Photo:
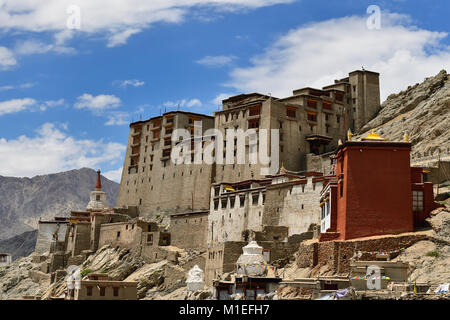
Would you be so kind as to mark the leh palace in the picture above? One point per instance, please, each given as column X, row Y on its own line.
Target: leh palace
column 339, row 201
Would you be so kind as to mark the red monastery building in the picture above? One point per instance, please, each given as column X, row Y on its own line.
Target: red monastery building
column 375, row 191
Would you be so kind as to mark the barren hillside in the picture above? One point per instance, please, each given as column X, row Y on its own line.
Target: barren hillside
column 422, row 110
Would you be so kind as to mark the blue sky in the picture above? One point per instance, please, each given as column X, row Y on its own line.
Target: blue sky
column 67, row 96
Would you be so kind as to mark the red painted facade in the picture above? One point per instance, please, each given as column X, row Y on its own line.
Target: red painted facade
column 372, row 193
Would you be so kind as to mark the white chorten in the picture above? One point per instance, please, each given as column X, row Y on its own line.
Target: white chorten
column 195, row 280
column 251, row 262
column 98, row 197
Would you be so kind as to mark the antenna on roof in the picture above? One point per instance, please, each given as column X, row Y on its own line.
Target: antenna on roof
column 178, row 107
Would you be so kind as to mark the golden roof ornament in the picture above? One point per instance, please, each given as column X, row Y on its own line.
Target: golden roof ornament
column 339, row 142
column 349, row 135
column 373, row 137
column 406, row 137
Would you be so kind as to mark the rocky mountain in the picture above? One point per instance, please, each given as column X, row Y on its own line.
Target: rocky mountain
column 21, row 245
column 422, row 110
column 23, row 201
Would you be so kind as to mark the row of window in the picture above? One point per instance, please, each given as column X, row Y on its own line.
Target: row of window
column 102, row 291
column 223, row 202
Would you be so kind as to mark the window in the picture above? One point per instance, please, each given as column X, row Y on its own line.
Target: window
column 241, row 201
column 89, row 291
column 232, row 201
column 118, row 234
column 253, row 124
column 291, row 112
column 216, row 204
column 255, row 198
column 102, row 291
column 116, row 292
column 341, row 189
column 224, row 203
column 97, row 197
column 327, row 105
column 311, row 103
column 254, row 111
column 312, row 116
column 417, row 201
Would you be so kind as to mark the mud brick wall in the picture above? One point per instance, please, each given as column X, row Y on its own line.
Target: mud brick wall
column 336, row 254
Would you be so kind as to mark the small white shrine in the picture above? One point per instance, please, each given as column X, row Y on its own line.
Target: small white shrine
column 195, row 280
column 251, row 262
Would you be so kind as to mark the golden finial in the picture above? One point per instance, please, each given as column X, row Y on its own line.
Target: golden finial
column 373, row 137
column 339, row 142
column 406, row 137
column 349, row 135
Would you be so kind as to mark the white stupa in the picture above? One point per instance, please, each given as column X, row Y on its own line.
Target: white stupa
column 251, row 262
column 98, row 197
column 195, row 280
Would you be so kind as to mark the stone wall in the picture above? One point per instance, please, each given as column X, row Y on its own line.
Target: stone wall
column 45, row 235
column 336, row 254
column 293, row 205
column 78, row 238
column 121, row 234
column 189, row 230
column 222, row 258
column 233, row 213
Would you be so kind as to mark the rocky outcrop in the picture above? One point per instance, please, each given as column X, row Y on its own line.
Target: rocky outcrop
column 15, row 281
column 422, row 110
column 23, row 200
column 19, row 246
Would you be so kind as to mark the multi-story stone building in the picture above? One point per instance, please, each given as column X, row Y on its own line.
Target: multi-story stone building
column 150, row 180
column 311, row 121
column 238, row 210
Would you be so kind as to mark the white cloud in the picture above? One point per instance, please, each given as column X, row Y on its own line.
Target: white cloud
column 117, row 19
column 114, row 175
column 16, row 105
column 7, row 59
column 97, row 103
column 52, row 150
column 318, row 53
column 121, row 37
column 131, row 82
column 189, row 103
column 216, row 61
column 29, row 47
column 51, row 104
column 118, row 118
